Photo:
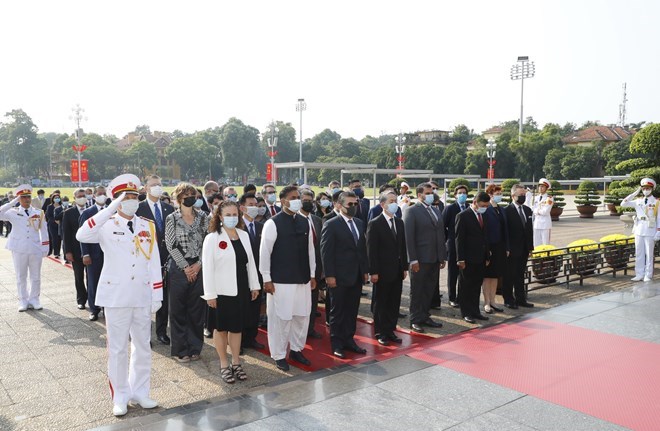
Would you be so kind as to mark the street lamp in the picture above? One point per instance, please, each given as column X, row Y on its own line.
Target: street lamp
column 519, row 71
column 77, row 117
column 400, row 148
column 272, row 150
column 300, row 107
column 491, row 146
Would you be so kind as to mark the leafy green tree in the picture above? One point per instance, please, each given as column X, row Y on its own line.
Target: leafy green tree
column 454, row 157
column 142, row 155
column 615, row 153
column 462, row 133
column 25, row 148
column 191, row 154
column 553, row 162
column 581, row 162
column 647, row 142
column 143, row 129
column 238, row 144
column 105, row 161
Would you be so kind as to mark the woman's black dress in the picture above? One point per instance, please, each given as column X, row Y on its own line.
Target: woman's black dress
column 232, row 311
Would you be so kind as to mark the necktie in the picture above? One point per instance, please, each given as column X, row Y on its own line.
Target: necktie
column 159, row 218
column 272, row 210
column 130, row 225
column 251, row 229
column 353, row 231
column 392, row 228
column 481, row 221
column 522, row 215
column 433, row 216
column 646, row 201
column 27, row 212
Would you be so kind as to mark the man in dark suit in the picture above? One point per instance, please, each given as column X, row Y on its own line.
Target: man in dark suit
column 249, row 208
column 449, row 219
column 472, row 256
column 363, row 203
column 72, row 252
column 377, row 209
column 335, row 208
column 153, row 209
column 425, row 240
column 521, row 243
column 270, row 196
column 92, row 255
column 315, row 228
column 345, row 263
column 388, row 266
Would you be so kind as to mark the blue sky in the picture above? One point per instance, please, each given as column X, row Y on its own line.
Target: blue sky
column 364, row 67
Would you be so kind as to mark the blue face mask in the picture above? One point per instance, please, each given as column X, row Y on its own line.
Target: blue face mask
column 198, row 203
column 359, row 192
column 461, row 198
column 428, row 199
column 392, row 208
column 335, row 190
column 230, row 222
column 481, row 210
column 271, row 198
column 57, row 200
column 325, row 203
column 497, row 199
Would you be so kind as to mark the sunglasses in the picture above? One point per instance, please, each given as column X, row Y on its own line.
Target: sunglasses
column 351, row 204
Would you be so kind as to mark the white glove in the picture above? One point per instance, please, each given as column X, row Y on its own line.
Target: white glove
column 657, row 236
column 155, row 306
column 115, row 203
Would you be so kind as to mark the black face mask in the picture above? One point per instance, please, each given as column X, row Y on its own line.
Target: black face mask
column 351, row 211
column 520, row 200
column 307, row 206
column 189, row 201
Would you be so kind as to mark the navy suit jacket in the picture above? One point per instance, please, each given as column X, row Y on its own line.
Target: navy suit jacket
column 166, row 209
column 87, row 249
column 342, row 257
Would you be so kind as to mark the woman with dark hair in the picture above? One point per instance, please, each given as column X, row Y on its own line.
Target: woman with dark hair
column 185, row 230
column 53, row 226
column 498, row 240
column 323, row 204
column 230, row 283
column 261, row 215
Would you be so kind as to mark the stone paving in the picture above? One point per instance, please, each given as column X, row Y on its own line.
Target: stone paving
column 53, row 362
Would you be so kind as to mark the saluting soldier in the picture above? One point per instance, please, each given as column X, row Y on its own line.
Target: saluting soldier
column 542, row 221
column 130, row 289
column 28, row 243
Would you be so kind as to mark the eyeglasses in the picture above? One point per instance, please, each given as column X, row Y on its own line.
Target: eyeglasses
column 232, row 196
column 351, row 204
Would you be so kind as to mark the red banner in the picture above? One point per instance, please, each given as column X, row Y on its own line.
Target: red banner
column 83, row 172
column 74, row 171
column 269, row 172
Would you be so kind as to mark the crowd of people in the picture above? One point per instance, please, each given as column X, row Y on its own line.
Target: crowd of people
column 222, row 262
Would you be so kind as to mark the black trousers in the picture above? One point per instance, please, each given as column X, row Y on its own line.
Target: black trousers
column 422, row 285
column 252, row 322
column 93, row 275
column 163, row 314
column 79, row 279
column 315, row 307
column 344, row 306
column 513, row 290
column 471, row 279
column 186, row 313
column 55, row 240
column 386, row 302
column 452, row 276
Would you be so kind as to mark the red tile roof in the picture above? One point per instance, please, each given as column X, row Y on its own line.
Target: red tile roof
column 599, row 133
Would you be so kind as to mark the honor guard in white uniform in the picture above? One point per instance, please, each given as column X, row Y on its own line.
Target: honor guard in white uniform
column 542, row 222
column 129, row 289
column 28, row 243
column 646, row 229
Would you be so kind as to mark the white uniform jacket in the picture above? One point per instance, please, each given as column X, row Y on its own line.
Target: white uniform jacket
column 131, row 274
column 541, row 210
column 219, row 265
column 647, row 219
column 29, row 232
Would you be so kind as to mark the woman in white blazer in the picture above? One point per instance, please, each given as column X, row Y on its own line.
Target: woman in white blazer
column 230, row 283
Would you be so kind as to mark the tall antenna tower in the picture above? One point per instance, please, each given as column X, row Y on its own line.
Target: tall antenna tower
column 622, row 108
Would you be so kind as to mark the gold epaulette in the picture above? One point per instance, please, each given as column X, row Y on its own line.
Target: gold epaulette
column 147, row 219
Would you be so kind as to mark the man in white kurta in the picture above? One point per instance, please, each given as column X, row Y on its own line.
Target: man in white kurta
column 287, row 264
column 646, row 229
column 28, row 243
column 542, row 221
column 129, row 289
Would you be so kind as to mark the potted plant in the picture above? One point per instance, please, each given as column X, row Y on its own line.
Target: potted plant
column 558, row 200
column 584, row 256
column 547, row 261
column 587, row 199
column 617, row 249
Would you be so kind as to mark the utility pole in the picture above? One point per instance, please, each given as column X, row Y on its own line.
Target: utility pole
column 300, row 107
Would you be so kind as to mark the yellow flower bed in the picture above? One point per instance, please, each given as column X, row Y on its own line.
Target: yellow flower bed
column 582, row 245
column 546, row 250
column 619, row 238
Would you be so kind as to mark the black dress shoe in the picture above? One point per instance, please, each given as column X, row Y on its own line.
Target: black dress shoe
column 254, row 344
column 282, row 364
column 480, row 317
column 93, row 317
column 417, row 328
column 468, row 319
column 435, row 307
column 432, row 323
column 393, row 338
column 498, row 309
column 357, row 349
column 402, row 315
column 383, row 341
column 164, row 339
column 315, row 334
column 454, row 304
column 525, row 304
column 338, row 353
column 81, row 306
column 511, row 306
column 299, row 357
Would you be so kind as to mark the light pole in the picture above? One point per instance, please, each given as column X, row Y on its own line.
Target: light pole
column 77, row 118
column 521, row 70
column 400, row 148
column 491, row 146
column 272, row 150
column 300, row 107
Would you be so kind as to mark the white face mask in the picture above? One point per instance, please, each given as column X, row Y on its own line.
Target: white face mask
column 129, row 207
column 262, row 211
column 646, row 192
column 156, row 191
column 295, row 205
column 252, row 212
column 81, row 201
column 101, row 199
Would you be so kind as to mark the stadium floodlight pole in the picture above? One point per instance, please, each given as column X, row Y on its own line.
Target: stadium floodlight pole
column 522, row 70
column 400, row 148
column 300, row 107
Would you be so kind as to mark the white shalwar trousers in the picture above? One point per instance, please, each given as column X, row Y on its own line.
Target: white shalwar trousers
column 541, row 236
column 24, row 263
column 288, row 318
column 128, row 381
column 644, row 247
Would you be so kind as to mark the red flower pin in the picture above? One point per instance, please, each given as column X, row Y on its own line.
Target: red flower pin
column 222, row 245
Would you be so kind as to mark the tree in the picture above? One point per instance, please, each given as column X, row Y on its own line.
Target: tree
column 553, row 162
column 191, row 154
column 462, row 133
column 24, row 146
column 238, row 144
column 142, row 155
column 287, row 146
column 581, row 162
column 143, row 130
column 105, row 161
column 454, row 157
column 647, row 142
column 615, row 153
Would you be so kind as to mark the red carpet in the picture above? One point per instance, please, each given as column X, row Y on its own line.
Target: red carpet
column 320, row 353
column 607, row 376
